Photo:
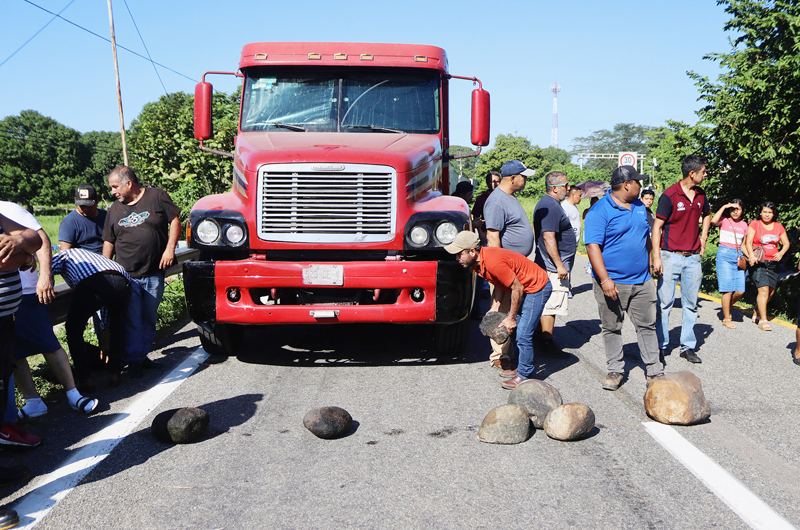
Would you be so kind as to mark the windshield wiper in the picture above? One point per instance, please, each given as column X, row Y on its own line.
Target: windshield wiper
column 290, row 126
column 375, row 128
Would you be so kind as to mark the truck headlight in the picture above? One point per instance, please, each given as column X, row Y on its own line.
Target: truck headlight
column 234, row 234
column 207, row 231
column 446, row 232
column 420, row 235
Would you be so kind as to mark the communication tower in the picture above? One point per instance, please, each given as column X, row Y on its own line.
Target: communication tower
column 554, row 131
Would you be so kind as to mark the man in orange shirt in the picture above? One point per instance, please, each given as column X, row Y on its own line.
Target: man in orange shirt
column 509, row 272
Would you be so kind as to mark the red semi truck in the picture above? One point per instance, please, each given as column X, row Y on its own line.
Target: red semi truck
column 339, row 208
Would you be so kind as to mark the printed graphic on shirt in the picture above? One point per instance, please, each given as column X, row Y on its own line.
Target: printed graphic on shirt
column 134, row 219
column 681, row 206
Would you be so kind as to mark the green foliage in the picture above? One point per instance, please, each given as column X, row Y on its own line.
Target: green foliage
column 752, row 107
column 173, row 304
column 669, row 146
column 464, row 167
column 624, row 137
column 164, row 153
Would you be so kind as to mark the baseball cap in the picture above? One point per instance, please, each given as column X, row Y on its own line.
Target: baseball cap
column 463, row 241
column 85, row 195
column 515, row 167
column 624, row 174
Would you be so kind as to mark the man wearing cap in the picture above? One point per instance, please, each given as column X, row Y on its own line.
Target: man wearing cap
column 678, row 252
column 555, row 251
column 507, row 226
column 617, row 237
column 83, row 226
column 525, row 283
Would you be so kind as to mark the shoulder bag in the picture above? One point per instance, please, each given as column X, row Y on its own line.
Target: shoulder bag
column 740, row 261
column 758, row 252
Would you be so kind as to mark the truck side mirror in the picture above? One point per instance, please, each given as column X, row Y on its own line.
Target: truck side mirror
column 203, row 94
column 480, row 117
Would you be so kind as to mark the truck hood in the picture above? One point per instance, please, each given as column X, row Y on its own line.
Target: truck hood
column 405, row 152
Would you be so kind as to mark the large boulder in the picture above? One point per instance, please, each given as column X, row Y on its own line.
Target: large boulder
column 180, row 426
column 537, row 397
column 677, row 399
column 490, row 326
column 328, row 422
column 571, row 421
column 506, row 424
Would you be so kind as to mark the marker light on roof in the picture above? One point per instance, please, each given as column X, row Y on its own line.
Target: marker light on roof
column 340, row 56
column 420, row 58
column 366, row 57
column 315, row 56
column 260, row 56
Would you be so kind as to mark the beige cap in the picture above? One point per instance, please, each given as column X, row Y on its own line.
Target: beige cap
column 464, row 240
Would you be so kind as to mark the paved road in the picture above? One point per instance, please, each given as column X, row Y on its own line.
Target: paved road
column 414, row 460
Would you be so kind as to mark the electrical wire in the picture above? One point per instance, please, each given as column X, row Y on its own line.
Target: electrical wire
column 55, row 16
column 145, row 46
column 58, row 15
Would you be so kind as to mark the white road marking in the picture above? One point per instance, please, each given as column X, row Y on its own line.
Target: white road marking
column 50, row 489
column 744, row 503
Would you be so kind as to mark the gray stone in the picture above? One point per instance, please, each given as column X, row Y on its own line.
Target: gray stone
column 571, row 421
column 677, row 399
column 328, row 422
column 506, row 424
column 537, row 397
column 180, row 425
column 490, row 326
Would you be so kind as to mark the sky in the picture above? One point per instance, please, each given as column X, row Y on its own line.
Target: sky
column 616, row 61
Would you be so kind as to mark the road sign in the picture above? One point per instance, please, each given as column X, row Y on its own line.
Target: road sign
column 627, row 159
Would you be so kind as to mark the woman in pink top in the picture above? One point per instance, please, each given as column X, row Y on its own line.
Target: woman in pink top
column 766, row 233
column 730, row 278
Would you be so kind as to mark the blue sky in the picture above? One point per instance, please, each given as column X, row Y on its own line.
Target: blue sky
column 616, row 62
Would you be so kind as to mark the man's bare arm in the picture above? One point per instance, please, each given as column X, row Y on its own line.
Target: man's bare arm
column 168, row 258
column 658, row 225
column 16, row 240
column 552, row 250
column 493, row 238
column 108, row 250
column 517, row 293
column 44, row 287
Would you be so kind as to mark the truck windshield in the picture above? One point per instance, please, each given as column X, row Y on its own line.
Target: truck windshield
column 342, row 100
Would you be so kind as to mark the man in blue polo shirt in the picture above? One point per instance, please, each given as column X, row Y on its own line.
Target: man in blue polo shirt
column 617, row 237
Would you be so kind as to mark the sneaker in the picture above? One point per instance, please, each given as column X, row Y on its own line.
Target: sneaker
column 612, row 381
column 12, row 434
column 13, row 475
column 691, row 356
column 651, row 378
column 8, row 518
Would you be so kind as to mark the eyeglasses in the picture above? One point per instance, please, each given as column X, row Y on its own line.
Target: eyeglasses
column 566, row 184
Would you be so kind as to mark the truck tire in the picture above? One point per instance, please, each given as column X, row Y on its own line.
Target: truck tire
column 451, row 339
column 224, row 340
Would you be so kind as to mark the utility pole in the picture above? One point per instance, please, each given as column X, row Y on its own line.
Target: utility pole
column 119, row 90
column 554, row 131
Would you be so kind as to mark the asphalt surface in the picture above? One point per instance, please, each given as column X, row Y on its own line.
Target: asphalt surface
column 414, row 460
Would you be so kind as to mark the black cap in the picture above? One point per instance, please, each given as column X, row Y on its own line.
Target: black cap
column 624, row 174
column 85, row 195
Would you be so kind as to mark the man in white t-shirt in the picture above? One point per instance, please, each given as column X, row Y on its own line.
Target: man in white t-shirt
column 570, row 208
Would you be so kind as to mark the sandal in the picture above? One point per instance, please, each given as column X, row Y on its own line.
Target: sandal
column 728, row 323
column 25, row 416
column 796, row 360
column 764, row 325
column 85, row 405
column 755, row 318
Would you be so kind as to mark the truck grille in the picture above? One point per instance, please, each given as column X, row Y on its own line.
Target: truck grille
column 340, row 204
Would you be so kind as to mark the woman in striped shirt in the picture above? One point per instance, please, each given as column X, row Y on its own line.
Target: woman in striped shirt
column 730, row 278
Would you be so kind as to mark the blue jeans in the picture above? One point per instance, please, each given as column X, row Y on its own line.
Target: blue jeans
column 530, row 313
column 142, row 315
column 688, row 271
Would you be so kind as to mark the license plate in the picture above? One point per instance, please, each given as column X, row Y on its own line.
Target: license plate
column 323, row 275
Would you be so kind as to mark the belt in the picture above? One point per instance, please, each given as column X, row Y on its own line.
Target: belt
column 685, row 252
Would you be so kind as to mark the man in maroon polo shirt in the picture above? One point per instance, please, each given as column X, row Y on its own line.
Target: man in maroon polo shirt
column 677, row 251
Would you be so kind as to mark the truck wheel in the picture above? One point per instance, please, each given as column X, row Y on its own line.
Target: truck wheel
column 451, row 339
column 224, row 340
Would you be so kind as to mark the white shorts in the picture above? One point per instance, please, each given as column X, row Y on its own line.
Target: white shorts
column 558, row 303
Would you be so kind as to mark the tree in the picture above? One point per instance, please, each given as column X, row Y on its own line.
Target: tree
column 669, row 145
column 752, row 108
column 624, row 137
column 41, row 160
column 465, row 167
column 105, row 149
column 163, row 151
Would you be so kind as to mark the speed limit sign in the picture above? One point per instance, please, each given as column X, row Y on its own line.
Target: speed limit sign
column 627, row 159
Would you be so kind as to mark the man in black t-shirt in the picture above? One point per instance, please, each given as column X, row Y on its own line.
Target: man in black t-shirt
column 142, row 230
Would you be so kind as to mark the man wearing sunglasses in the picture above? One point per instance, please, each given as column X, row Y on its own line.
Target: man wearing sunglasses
column 555, row 252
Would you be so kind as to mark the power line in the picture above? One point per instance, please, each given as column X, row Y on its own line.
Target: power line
column 145, row 47
column 57, row 15
column 34, row 35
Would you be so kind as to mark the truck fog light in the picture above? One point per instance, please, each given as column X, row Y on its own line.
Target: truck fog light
column 207, row 231
column 234, row 294
column 420, row 236
column 234, row 234
column 417, row 294
column 446, row 232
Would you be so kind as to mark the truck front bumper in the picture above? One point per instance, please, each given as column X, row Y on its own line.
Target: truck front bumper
column 446, row 289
